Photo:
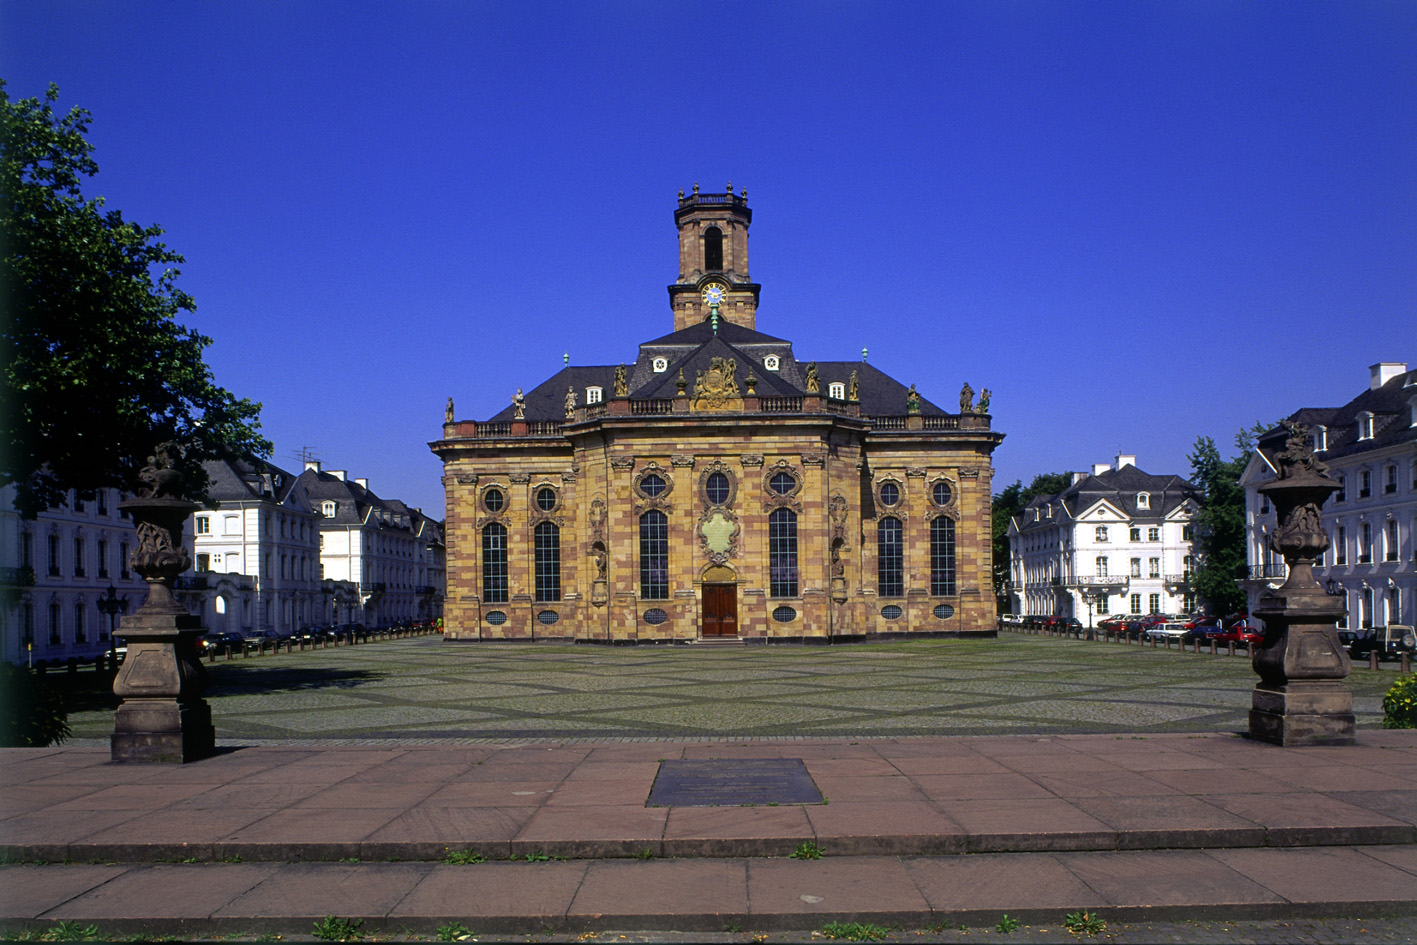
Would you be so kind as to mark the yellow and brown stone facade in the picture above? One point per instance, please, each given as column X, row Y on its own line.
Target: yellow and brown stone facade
column 718, row 487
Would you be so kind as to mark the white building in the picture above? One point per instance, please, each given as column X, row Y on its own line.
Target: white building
column 392, row 553
column 1370, row 447
column 55, row 569
column 256, row 556
column 1117, row 540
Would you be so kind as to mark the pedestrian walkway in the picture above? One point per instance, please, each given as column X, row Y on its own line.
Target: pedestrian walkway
column 911, row 832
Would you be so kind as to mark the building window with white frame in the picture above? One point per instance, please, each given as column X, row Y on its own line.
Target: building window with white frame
column 1136, row 604
column 1154, row 603
column 1135, row 533
column 594, row 395
column 1390, row 479
column 1101, row 567
column 1340, row 547
column 1390, row 553
column 1136, row 567
column 836, row 390
column 1342, row 494
column 203, row 525
column 1153, row 567
column 1143, row 500
column 1365, row 426
column 1153, row 534
column 1100, row 533
column 1365, row 544
column 1365, row 483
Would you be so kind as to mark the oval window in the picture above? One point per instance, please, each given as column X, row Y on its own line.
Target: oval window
column 655, row 616
column 782, row 483
column 890, row 493
column 784, row 615
column 716, row 488
column 941, row 493
column 891, row 612
column 496, row 618
column 494, row 500
column 653, row 485
column 546, row 498
column 944, row 611
column 548, row 617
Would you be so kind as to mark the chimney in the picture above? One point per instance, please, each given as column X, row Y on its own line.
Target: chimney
column 338, row 474
column 1100, row 468
column 1124, row 460
column 1079, row 477
column 362, row 483
column 312, row 465
column 1384, row 371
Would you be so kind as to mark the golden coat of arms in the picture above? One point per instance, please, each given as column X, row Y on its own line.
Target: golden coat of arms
column 716, row 387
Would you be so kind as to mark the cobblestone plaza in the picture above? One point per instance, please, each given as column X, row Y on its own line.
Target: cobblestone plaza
column 427, row 689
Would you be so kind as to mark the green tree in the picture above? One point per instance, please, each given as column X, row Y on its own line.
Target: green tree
column 1220, row 521
column 1006, row 505
column 96, row 369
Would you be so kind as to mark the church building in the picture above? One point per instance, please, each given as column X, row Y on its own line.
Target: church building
column 715, row 487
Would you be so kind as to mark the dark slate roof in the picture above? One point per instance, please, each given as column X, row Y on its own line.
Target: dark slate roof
column 1389, row 404
column 1118, row 487
column 238, row 480
column 692, row 349
column 353, row 500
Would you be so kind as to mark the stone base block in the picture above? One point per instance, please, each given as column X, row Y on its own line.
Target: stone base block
column 1303, row 713
column 162, row 730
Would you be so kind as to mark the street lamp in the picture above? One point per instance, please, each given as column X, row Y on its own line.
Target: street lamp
column 1333, row 587
column 112, row 605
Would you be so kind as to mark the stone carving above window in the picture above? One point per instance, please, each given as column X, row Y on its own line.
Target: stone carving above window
column 682, row 460
column 466, row 479
column 627, row 463
column 751, row 459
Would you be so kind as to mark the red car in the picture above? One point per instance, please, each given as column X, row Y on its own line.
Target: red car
column 1241, row 633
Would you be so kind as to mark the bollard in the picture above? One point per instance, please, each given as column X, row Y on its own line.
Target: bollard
column 1406, row 668
column 1230, row 646
column 1212, row 646
column 1372, row 659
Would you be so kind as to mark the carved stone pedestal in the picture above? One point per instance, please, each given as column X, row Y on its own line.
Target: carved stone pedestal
column 1300, row 699
column 162, row 716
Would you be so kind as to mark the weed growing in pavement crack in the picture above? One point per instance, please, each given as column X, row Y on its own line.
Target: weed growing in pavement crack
column 1007, row 924
column 855, row 931
column 454, row 932
column 1084, row 923
column 807, row 850
column 334, row 929
column 463, row 857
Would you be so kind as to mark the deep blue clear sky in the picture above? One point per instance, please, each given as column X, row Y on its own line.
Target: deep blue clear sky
column 1135, row 222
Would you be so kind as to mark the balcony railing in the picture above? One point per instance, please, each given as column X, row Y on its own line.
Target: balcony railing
column 17, row 577
column 1278, row 569
column 1095, row 580
column 1183, row 578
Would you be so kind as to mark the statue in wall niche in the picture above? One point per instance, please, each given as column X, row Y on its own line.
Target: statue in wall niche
column 912, row 400
column 622, row 382
column 814, row 385
column 966, row 398
column 518, row 405
column 983, row 401
column 853, row 387
column 448, row 413
column 570, row 403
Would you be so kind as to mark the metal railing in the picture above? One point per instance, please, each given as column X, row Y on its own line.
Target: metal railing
column 1259, row 572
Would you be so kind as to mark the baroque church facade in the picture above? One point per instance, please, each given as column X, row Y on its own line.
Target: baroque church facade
column 716, row 487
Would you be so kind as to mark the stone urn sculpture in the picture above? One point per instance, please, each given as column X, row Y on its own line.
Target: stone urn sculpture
column 161, row 716
column 1300, row 698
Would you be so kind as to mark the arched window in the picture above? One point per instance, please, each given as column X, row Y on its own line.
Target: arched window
column 782, row 553
column 713, row 249
column 942, row 556
column 547, row 538
column 494, row 563
column 654, row 555
column 890, row 558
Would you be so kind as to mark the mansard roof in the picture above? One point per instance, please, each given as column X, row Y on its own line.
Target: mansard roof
column 245, row 480
column 1118, row 488
column 1389, row 404
column 692, row 350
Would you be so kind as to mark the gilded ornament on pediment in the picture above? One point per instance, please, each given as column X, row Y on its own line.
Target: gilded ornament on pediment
column 716, row 388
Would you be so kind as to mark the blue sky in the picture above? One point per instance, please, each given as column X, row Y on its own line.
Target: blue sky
column 1136, row 223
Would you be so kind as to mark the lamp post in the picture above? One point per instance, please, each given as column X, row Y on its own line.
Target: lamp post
column 112, row 605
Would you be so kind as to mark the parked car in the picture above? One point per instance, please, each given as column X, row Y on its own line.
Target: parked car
column 1388, row 642
column 220, row 640
column 1204, row 631
column 1241, row 633
column 1161, row 632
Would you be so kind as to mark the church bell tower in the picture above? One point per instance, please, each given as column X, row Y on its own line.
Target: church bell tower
column 713, row 260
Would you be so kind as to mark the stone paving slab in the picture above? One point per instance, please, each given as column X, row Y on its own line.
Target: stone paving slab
column 707, row 894
column 885, row 796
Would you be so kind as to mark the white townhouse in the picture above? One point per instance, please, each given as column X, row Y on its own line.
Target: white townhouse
column 255, row 554
column 1117, row 540
column 392, row 553
column 56, row 569
column 1370, row 447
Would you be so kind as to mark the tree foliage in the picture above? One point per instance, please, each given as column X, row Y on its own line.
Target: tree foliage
column 1220, row 522
column 1009, row 503
column 97, row 370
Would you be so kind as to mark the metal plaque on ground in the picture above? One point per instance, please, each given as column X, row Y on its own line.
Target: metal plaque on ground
column 722, row 782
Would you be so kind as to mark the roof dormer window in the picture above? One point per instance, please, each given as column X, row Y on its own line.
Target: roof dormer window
column 1143, row 500
column 836, row 390
column 1320, row 438
column 659, row 365
column 594, row 395
column 772, row 362
column 328, row 508
column 1365, row 425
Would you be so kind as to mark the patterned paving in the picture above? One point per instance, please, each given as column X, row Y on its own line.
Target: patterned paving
column 427, row 689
